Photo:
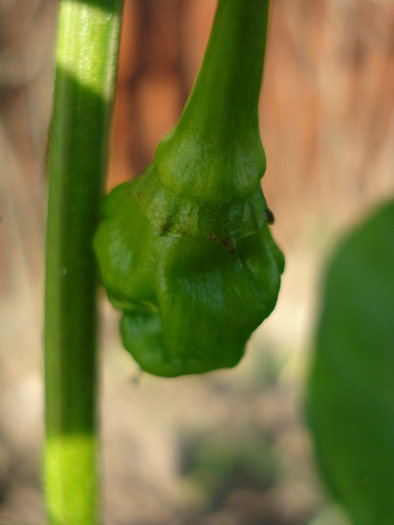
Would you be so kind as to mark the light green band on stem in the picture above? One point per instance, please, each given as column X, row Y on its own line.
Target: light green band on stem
column 82, row 24
column 72, row 457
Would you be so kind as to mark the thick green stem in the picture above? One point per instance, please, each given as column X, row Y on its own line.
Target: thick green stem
column 229, row 82
column 219, row 126
column 88, row 45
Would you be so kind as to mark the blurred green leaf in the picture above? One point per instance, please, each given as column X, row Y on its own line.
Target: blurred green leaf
column 350, row 401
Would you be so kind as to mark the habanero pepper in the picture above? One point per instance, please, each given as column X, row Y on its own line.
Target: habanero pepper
column 185, row 250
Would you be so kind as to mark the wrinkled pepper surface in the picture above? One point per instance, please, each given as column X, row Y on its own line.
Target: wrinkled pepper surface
column 185, row 250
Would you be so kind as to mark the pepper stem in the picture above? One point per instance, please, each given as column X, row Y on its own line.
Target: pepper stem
column 229, row 82
column 217, row 141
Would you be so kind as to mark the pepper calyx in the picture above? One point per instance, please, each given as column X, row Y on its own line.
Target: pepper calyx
column 187, row 216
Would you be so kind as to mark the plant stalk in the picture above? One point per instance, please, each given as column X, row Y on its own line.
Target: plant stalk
column 87, row 52
column 219, row 124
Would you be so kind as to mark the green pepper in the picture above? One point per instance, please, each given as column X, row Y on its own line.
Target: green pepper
column 185, row 250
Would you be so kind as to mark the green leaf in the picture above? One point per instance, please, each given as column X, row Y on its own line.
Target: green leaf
column 350, row 402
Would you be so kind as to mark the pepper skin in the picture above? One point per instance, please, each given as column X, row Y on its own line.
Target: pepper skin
column 185, row 250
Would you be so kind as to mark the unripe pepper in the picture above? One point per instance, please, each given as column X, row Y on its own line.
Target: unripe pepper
column 185, row 250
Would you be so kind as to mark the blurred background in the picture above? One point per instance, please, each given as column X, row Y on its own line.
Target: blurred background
column 231, row 447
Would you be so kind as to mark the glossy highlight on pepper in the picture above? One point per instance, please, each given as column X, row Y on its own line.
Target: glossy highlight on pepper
column 185, row 251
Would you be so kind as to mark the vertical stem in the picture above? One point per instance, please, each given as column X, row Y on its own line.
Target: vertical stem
column 229, row 81
column 87, row 53
column 219, row 125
